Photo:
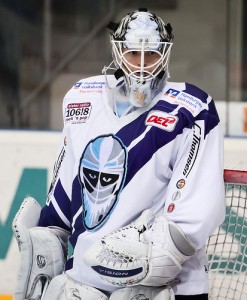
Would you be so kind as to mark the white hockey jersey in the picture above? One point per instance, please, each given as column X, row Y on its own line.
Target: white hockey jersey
column 167, row 157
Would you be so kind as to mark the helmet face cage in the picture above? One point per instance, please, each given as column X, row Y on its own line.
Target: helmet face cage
column 142, row 72
column 143, row 32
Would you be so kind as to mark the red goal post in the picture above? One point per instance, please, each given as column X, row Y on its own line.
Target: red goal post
column 227, row 247
column 235, row 176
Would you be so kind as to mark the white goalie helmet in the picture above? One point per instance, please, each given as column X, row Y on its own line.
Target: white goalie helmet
column 141, row 45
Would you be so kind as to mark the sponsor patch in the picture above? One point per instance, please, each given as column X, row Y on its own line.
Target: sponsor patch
column 89, row 85
column 192, row 104
column 77, row 85
column 194, row 148
column 172, row 93
column 40, row 260
column 76, row 113
column 176, row 195
column 171, row 207
column 161, row 120
column 180, row 184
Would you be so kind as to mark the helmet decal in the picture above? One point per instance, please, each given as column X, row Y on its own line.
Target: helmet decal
column 102, row 171
column 119, row 30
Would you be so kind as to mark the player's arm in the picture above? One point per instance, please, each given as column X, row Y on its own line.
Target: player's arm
column 195, row 198
column 57, row 211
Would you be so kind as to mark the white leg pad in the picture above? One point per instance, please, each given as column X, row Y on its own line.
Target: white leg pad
column 62, row 287
column 42, row 251
column 143, row 293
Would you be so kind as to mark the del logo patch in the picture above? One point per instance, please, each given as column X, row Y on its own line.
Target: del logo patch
column 161, row 120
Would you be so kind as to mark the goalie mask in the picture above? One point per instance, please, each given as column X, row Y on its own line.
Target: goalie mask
column 141, row 45
column 102, row 173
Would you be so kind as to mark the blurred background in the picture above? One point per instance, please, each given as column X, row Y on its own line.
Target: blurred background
column 47, row 45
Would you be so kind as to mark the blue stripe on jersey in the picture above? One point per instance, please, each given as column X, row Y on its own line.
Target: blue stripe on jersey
column 134, row 129
column 69, row 264
column 183, row 114
column 49, row 217
column 79, row 228
column 164, row 106
column 62, row 200
column 139, row 155
column 76, row 194
column 78, row 225
column 196, row 92
column 210, row 117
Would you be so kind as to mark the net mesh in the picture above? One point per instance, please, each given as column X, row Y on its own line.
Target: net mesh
column 227, row 247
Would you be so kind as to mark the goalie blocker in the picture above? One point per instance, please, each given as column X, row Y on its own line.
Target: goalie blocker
column 147, row 252
column 42, row 251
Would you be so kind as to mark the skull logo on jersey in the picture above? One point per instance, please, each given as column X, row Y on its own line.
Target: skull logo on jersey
column 102, row 172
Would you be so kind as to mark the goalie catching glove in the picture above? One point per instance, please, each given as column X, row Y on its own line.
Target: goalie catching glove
column 148, row 252
column 42, row 251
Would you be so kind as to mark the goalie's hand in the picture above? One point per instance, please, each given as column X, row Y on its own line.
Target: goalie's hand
column 121, row 257
column 144, row 252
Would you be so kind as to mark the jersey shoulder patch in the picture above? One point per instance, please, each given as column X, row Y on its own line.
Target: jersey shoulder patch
column 80, row 99
column 162, row 120
column 187, row 96
column 89, row 85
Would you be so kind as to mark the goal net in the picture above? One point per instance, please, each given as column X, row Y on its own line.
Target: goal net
column 227, row 247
